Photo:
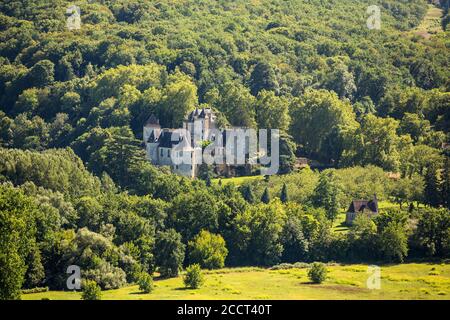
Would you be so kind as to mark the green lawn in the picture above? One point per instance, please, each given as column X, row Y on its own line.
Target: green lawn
column 339, row 223
column 237, row 180
column 431, row 24
column 405, row 281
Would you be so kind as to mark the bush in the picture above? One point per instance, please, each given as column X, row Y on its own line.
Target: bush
column 91, row 290
column 35, row 290
column 145, row 282
column 287, row 266
column 193, row 278
column 107, row 276
column 208, row 250
column 317, row 273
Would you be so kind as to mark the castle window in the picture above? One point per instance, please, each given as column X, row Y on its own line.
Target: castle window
column 161, row 153
column 168, row 153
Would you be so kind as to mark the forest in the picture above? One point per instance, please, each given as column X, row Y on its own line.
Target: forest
column 76, row 189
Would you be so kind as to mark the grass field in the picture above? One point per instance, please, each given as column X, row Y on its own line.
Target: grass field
column 237, row 180
column 339, row 224
column 431, row 23
column 405, row 281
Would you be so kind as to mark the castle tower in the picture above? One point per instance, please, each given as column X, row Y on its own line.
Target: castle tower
column 151, row 133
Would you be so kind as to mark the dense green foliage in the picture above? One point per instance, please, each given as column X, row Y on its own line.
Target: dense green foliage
column 317, row 273
column 169, row 253
column 17, row 242
column 208, row 250
column 145, row 282
column 76, row 188
column 193, row 278
column 306, row 67
column 91, row 291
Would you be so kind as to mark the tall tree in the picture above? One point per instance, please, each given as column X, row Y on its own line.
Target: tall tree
column 265, row 198
column 394, row 242
column 179, row 97
column 247, row 193
column 272, row 112
column 328, row 194
column 433, row 232
column 258, row 233
column 319, row 123
column 263, row 77
column 375, row 142
column 432, row 185
column 238, row 105
column 42, row 73
column 119, row 155
column 284, row 196
column 194, row 211
column 446, row 183
column 17, row 239
column 342, row 81
column 169, row 252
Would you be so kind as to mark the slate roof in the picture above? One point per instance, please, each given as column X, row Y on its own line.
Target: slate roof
column 165, row 139
column 199, row 113
column 152, row 121
column 361, row 205
column 193, row 114
column 170, row 137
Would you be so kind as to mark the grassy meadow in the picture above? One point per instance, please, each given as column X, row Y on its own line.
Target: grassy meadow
column 431, row 23
column 404, row 281
column 237, row 181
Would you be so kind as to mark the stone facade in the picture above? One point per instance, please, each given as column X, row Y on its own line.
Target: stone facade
column 163, row 144
column 369, row 207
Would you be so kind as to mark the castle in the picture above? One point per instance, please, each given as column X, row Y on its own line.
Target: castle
column 163, row 144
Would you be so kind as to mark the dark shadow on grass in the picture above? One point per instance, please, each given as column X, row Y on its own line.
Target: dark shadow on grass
column 138, row 292
column 183, row 289
column 159, row 278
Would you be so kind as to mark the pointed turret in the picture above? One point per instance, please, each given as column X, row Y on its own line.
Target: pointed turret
column 152, row 121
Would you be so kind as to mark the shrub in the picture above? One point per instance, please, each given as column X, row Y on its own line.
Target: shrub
column 107, row 276
column 145, row 282
column 193, row 278
column 91, row 290
column 317, row 273
column 208, row 250
column 287, row 266
column 35, row 290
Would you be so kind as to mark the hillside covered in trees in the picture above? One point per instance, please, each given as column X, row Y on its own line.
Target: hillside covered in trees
column 76, row 187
